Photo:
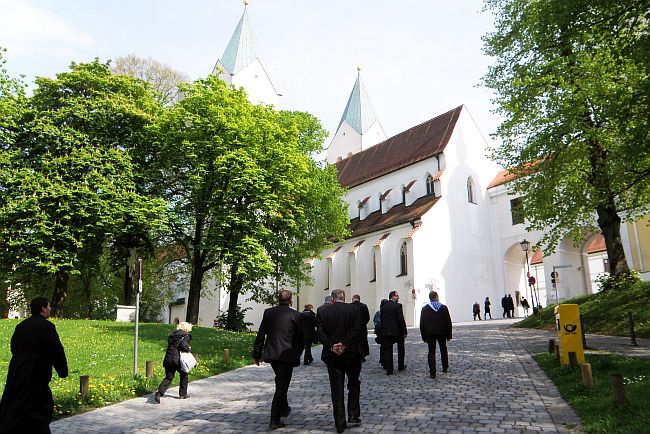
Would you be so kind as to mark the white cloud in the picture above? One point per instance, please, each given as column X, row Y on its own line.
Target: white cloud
column 34, row 31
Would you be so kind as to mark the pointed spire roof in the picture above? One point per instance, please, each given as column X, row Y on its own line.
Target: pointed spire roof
column 240, row 51
column 359, row 112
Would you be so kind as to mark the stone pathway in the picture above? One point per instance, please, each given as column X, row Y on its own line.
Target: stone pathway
column 493, row 385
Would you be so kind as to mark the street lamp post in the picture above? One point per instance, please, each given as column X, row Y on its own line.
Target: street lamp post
column 525, row 245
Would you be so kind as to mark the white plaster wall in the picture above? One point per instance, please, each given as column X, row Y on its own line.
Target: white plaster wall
column 373, row 135
column 346, row 140
column 255, row 81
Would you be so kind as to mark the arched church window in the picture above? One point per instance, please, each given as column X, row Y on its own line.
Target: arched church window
column 470, row 190
column 348, row 273
column 429, row 184
column 403, row 259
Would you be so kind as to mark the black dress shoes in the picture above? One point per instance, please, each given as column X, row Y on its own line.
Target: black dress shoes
column 341, row 428
column 401, row 368
column 354, row 421
column 286, row 412
column 183, row 396
column 432, row 375
column 276, row 425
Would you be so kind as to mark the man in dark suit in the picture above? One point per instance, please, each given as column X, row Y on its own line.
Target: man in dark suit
column 339, row 329
column 280, row 342
column 27, row 404
column 435, row 326
column 393, row 331
column 309, row 331
column 364, row 313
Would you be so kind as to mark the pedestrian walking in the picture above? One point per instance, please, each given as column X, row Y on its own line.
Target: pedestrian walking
column 364, row 314
column 309, row 332
column 476, row 310
column 178, row 341
column 27, row 403
column 393, row 331
column 340, row 331
column 377, row 322
column 487, row 310
column 511, row 307
column 525, row 305
column 280, row 342
column 435, row 326
column 506, row 306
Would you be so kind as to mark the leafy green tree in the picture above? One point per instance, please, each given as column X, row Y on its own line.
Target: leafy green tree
column 572, row 84
column 243, row 190
column 68, row 179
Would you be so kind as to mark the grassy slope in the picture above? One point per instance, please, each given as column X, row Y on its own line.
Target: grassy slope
column 605, row 313
column 595, row 405
column 104, row 351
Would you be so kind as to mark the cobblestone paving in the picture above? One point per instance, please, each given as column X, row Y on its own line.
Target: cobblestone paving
column 493, row 385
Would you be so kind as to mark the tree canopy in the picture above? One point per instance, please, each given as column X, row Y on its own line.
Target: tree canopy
column 572, row 84
column 67, row 178
column 244, row 190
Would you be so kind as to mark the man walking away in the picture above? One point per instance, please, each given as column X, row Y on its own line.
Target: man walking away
column 340, row 331
column 280, row 342
column 27, row 404
column 487, row 305
column 309, row 331
column 505, row 306
column 435, row 326
column 364, row 314
column 393, row 331
column 476, row 310
column 511, row 306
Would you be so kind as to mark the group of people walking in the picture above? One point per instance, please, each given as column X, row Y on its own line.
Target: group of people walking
column 342, row 329
column 507, row 303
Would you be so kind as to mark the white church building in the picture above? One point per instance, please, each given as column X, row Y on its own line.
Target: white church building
column 428, row 210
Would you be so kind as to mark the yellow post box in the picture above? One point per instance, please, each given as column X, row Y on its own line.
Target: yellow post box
column 569, row 332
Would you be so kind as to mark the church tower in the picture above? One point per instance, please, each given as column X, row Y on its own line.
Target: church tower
column 359, row 127
column 241, row 67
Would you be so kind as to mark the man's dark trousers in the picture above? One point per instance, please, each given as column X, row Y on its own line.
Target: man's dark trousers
column 442, row 341
column 387, row 356
column 280, row 405
column 338, row 368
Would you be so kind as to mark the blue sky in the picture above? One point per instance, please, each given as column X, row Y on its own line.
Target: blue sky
column 418, row 58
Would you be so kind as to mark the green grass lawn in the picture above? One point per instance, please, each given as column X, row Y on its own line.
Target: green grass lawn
column 595, row 405
column 604, row 313
column 104, row 351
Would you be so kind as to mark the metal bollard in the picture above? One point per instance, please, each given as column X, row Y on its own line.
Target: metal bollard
column 84, row 387
column 582, row 329
column 632, row 334
column 551, row 346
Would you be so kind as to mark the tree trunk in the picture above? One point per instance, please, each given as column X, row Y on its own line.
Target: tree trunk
column 60, row 293
column 234, row 289
column 194, row 294
column 129, row 273
column 610, row 225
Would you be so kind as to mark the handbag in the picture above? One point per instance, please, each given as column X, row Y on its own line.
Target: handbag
column 187, row 362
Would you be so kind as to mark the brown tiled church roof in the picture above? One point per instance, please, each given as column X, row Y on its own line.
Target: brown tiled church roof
column 411, row 146
column 398, row 214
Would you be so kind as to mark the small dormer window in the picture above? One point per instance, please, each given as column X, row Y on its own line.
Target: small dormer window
column 429, row 184
column 470, row 190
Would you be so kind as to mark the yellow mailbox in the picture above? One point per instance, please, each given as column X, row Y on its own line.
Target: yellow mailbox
column 569, row 332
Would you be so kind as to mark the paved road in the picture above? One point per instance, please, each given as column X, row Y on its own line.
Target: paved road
column 492, row 386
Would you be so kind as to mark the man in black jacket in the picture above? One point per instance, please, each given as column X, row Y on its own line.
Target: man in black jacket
column 27, row 404
column 365, row 319
column 309, row 322
column 339, row 329
column 280, row 342
column 393, row 331
column 435, row 326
